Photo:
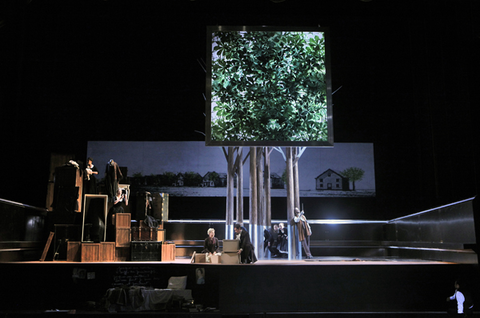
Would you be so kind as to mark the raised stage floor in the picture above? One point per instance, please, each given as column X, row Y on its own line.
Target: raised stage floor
column 324, row 286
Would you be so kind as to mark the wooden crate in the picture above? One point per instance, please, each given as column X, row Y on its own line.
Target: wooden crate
column 168, row 252
column 123, row 220
column 74, row 251
column 160, row 235
column 107, row 252
column 90, row 252
column 122, row 237
column 122, row 254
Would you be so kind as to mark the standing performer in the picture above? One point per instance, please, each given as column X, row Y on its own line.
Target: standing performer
column 90, row 182
column 246, row 252
column 282, row 238
column 304, row 231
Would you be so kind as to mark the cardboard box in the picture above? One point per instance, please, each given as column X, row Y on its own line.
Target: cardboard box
column 199, row 258
column 230, row 258
column 231, row 245
column 216, row 259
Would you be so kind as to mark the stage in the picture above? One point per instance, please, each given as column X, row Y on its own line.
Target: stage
column 398, row 267
column 324, row 285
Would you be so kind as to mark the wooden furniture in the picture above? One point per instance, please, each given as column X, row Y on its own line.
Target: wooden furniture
column 122, row 223
column 47, row 246
column 74, row 250
column 91, row 252
column 68, row 189
column 168, row 251
column 88, row 209
column 146, row 251
column 107, row 252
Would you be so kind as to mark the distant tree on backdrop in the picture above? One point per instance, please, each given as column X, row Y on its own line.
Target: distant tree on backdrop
column 353, row 174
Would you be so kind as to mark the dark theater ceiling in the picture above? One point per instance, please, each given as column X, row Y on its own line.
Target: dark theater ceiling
column 405, row 76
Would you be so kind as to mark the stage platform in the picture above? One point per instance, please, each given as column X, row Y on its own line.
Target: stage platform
column 323, row 286
column 405, row 267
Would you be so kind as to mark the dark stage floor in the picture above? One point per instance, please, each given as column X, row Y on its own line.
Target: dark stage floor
column 323, row 286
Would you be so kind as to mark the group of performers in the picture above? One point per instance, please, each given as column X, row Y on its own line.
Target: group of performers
column 275, row 240
column 246, row 250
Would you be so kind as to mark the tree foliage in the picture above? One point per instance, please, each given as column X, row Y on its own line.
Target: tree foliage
column 353, row 174
column 192, row 179
column 269, row 86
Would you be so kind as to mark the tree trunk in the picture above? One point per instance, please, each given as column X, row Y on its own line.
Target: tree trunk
column 296, row 183
column 240, row 186
column 290, row 204
column 253, row 187
column 230, row 183
column 268, row 183
column 260, row 187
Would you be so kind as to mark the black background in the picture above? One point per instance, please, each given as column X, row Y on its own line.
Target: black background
column 406, row 74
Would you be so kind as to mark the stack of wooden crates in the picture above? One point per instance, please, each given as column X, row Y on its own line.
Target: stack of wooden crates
column 117, row 251
column 90, row 252
column 148, row 244
column 122, row 223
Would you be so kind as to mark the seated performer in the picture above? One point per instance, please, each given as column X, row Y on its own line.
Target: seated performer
column 273, row 241
column 211, row 245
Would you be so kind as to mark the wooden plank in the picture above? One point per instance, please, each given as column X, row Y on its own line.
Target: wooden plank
column 47, row 246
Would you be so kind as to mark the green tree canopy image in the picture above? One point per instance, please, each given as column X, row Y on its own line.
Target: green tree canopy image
column 353, row 174
column 269, row 86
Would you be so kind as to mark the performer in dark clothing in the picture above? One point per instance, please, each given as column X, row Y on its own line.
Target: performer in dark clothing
column 90, row 182
column 113, row 175
column 120, row 199
column 211, row 245
column 273, row 241
column 246, row 251
column 266, row 239
column 282, row 238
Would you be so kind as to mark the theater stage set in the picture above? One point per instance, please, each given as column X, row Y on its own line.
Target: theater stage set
column 403, row 267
